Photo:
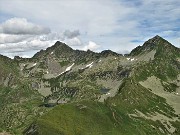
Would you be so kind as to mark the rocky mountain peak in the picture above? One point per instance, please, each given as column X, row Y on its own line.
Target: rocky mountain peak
column 157, row 37
column 155, row 43
column 57, row 48
column 60, row 45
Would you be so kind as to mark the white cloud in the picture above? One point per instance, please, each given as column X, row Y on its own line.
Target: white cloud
column 24, row 47
column 91, row 46
column 37, row 44
column 73, row 42
column 22, row 26
column 93, row 17
column 113, row 24
column 8, row 38
column 28, row 54
column 19, row 36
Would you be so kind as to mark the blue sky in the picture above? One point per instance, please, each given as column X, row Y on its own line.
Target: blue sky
column 119, row 25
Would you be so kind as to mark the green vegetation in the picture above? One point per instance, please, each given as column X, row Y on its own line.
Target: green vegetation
column 176, row 124
column 19, row 107
column 77, row 118
column 134, row 96
column 64, row 63
column 111, row 117
column 92, row 118
column 75, row 94
column 162, row 68
column 8, row 65
column 170, row 87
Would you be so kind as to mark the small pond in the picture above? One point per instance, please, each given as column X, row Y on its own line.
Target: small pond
column 104, row 90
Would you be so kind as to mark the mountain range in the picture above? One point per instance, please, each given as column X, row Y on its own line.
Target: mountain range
column 61, row 91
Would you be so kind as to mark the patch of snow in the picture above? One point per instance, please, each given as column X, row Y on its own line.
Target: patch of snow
column 128, row 58
column 177, row 93
column 47, row 72
column 81, row 68
column 34, row 64
column 107, row 93
column 115, row 58
column 52, row 52
column 69, row 68
column 89, row 65
column 132, row 59
column 99, row 61
column 61, row 73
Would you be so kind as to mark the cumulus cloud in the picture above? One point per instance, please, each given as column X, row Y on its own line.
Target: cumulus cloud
column 73, row 42
column 22, row 26
column 93, row 17
column 18, row 36
column 113, row 24
column 91, row 46
column 28, row 48
column 25, row 46
column 12, row 38
column 7, row 38
column 14, row 43
column 51, row 36
column 71, row 34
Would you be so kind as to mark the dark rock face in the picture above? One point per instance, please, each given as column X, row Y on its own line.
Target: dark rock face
column 125, row 73
column 32, row 130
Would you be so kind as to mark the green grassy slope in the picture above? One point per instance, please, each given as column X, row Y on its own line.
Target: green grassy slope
column 18, row 102
column 77, row 118
column 109, row 118
column 18, row 107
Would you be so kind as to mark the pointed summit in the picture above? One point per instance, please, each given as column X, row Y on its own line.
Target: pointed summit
column 58, row 42
column 155, row 40
column 156, row 37
column 59, row 48
column 155, row 43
